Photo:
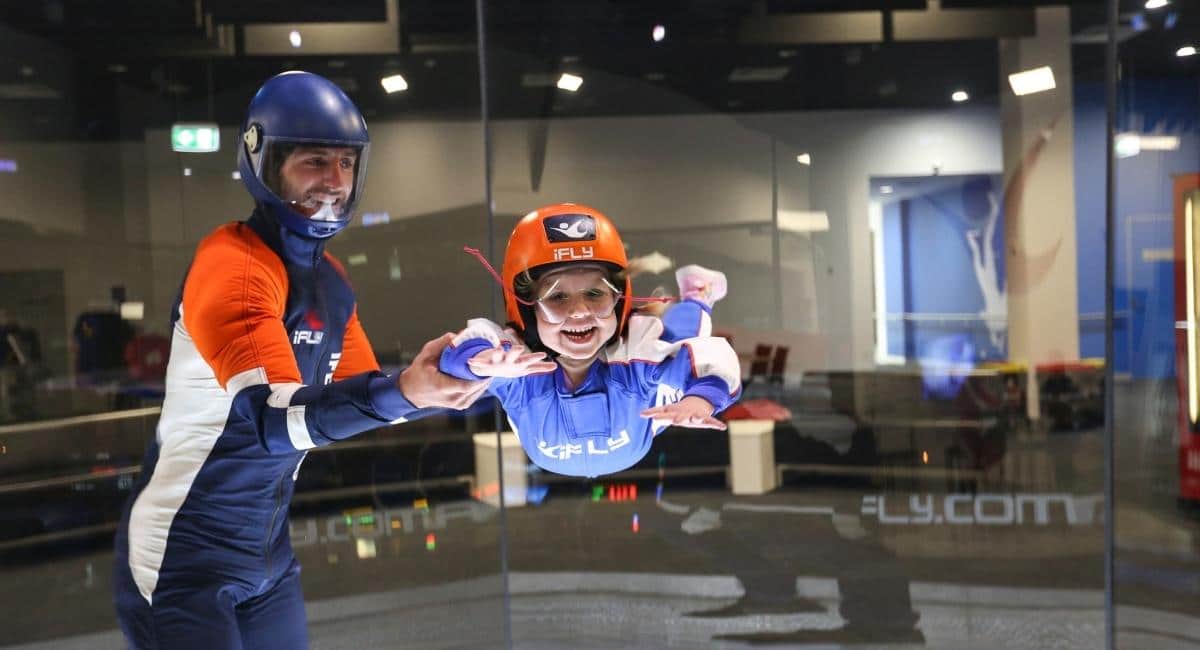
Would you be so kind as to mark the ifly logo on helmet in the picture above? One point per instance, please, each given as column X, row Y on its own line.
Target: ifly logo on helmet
column 570, row 228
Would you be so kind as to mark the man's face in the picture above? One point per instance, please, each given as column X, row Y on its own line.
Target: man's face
column 311, row 177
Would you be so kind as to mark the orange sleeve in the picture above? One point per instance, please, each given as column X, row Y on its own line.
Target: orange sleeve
column 233, row 303
column 357, row 355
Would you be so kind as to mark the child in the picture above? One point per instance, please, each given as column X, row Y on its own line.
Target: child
column 617, row 378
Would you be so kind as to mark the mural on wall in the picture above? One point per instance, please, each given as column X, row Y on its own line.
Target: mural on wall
column 1034, row 265
column 938, row 230
column 943, row 259
column 988, row 274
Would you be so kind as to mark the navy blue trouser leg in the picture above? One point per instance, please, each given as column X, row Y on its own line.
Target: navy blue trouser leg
column 183, row 617
column 275, row 620
column 209, row 616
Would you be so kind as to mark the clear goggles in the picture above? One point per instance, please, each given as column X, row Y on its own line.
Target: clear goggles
column 556, row 304
column 552, row 307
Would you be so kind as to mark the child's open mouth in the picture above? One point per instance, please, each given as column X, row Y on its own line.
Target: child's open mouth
column 579, row 335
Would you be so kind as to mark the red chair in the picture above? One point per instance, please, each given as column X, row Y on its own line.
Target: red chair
column 760, row 363
column 778, row 365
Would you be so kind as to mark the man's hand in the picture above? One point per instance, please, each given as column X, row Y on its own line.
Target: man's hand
column 693, row 412
column 516, row 361
column 425, row 386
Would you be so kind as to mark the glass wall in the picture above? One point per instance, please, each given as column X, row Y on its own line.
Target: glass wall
column 917, row 456
column 1157, row 450
column 103, row 217
column 908, row 201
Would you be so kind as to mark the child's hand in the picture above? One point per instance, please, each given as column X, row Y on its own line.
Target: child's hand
column 693, row 412
column 515, row 361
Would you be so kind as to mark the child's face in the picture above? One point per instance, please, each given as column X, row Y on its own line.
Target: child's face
column 576, row 312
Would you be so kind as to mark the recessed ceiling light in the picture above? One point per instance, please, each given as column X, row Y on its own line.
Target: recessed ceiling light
column 804, row 159
column 1127, row 145
column 1186, row 50
column 295, row 39
column 569, row 82
column 658, row 33
column 803, row 221
column 1032, row 81
column 960, row 96
column 1156, row 4
column 394, row 83
column 1158, row 142
column 1130, row 143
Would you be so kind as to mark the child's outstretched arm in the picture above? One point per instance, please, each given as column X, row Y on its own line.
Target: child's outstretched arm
column 707, row 370
column 694, row 379
column 699, row 290
column 691, row 411
column 506, row 361
column 484, row 349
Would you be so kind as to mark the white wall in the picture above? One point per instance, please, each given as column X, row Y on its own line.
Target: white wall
column 847, row 149
column 665, row 180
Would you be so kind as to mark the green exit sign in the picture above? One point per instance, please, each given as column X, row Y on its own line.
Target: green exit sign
column 195, row 138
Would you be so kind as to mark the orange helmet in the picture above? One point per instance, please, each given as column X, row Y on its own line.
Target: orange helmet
column 559, row 234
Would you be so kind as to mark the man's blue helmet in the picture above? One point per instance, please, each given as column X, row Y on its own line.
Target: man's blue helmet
column 300, row 109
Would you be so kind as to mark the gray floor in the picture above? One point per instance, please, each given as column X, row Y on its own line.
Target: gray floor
column 876, row 559
column 589, row 611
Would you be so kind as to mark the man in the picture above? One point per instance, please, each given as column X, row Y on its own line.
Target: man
column 268, row 359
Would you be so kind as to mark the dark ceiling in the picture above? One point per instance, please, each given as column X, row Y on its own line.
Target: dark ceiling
column 130, row 64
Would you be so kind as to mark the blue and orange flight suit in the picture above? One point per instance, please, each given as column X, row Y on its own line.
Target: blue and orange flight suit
column 268, row 359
